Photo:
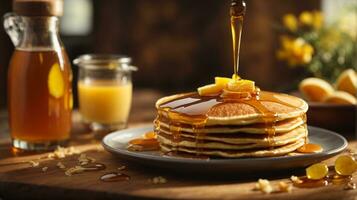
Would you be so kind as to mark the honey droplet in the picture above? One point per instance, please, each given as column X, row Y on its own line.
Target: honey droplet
column 308, row 183
column 114, row 177
column 94, row 167
column 317, row 171
column 310, row 148
column 345, row 165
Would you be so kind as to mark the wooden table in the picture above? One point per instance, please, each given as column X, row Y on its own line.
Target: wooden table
column 19, row 180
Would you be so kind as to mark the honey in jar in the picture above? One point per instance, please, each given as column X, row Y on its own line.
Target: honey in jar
column 39, row 77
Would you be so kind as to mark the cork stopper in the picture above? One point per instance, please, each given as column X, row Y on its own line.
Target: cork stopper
column 38, row 7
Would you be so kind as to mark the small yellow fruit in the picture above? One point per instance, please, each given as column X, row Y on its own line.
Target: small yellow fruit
column 347, row 81
column 317, row 171
column 241, row 86
column 209, row 90
column 55, row 81
column 315, row 89
column 345, row 165
column 340, row 97
column 222, row 81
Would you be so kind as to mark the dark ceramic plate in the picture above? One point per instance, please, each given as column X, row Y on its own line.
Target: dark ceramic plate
column 331, row 142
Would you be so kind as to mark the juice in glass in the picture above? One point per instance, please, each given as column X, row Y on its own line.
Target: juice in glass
column 106, row 102
column 104, row 90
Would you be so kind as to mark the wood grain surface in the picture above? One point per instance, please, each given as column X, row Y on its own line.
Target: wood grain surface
column 20, row 180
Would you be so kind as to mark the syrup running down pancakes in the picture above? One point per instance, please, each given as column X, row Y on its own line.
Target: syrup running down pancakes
column 268, row 124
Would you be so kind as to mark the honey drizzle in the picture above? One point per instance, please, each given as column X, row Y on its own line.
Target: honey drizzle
column 237, row 12
column 114, row 177
column 333, row 179
column 269, row 118
column 192, row 109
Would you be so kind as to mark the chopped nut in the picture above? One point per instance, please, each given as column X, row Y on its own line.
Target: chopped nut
column 62, row 152
column 350, row 186
column 121, row 168
column 34, row 163
column 84, row 159
column 61, row 165
column 158, row 180
column 351, row 151
column 44, row 169
column 284, row 187
column 295, row 179
column 264, row 186
column 74, row 170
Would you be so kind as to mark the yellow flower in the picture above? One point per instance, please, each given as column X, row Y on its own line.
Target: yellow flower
column 306, row 18
column 290, row 22
column 295, row 51
column 312, row 19
column 318, row 20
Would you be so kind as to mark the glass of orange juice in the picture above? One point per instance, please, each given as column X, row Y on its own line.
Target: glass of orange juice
column 105, row 90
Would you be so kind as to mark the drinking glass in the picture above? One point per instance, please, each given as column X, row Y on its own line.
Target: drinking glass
column 105, row 90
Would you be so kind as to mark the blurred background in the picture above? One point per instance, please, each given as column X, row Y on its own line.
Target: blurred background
column 179, row 45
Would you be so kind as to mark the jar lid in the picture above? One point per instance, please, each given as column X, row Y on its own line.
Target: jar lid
column 38, row 7
column 105, row 61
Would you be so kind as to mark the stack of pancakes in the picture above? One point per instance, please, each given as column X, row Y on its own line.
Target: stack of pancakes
column 192, row 124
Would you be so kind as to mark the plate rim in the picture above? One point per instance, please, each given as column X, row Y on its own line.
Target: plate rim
column 137, row 155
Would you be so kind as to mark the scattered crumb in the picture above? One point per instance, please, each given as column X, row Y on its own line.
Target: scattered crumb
column 100, row 148
column 284, row 187
column 264, row 186
column 34, row 163
column 61, row 165
column 158, row 180
column 44, row 169
column 121, row 168
column 62, row 152
column 352, row 152
column 74, row 170
column 295, row 179
column 350, row 186
column 83, row 159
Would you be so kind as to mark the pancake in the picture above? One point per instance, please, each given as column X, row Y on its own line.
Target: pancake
column 232, row 113
column 232, row 141
column 278, row 151
column 280, row 127
column 269, row 124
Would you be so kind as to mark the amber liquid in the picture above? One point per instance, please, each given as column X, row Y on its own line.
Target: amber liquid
column 35, row 115
column 193, row 109
column 334, row 179
column 237, row 12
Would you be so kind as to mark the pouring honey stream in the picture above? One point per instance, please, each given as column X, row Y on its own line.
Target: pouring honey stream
column 192, row 109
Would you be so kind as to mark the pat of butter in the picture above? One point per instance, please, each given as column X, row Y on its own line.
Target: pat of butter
column 241, row 86
column 222, row 81
column 209, row 90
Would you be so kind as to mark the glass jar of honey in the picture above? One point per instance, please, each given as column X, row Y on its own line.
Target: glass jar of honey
column 39, row 77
